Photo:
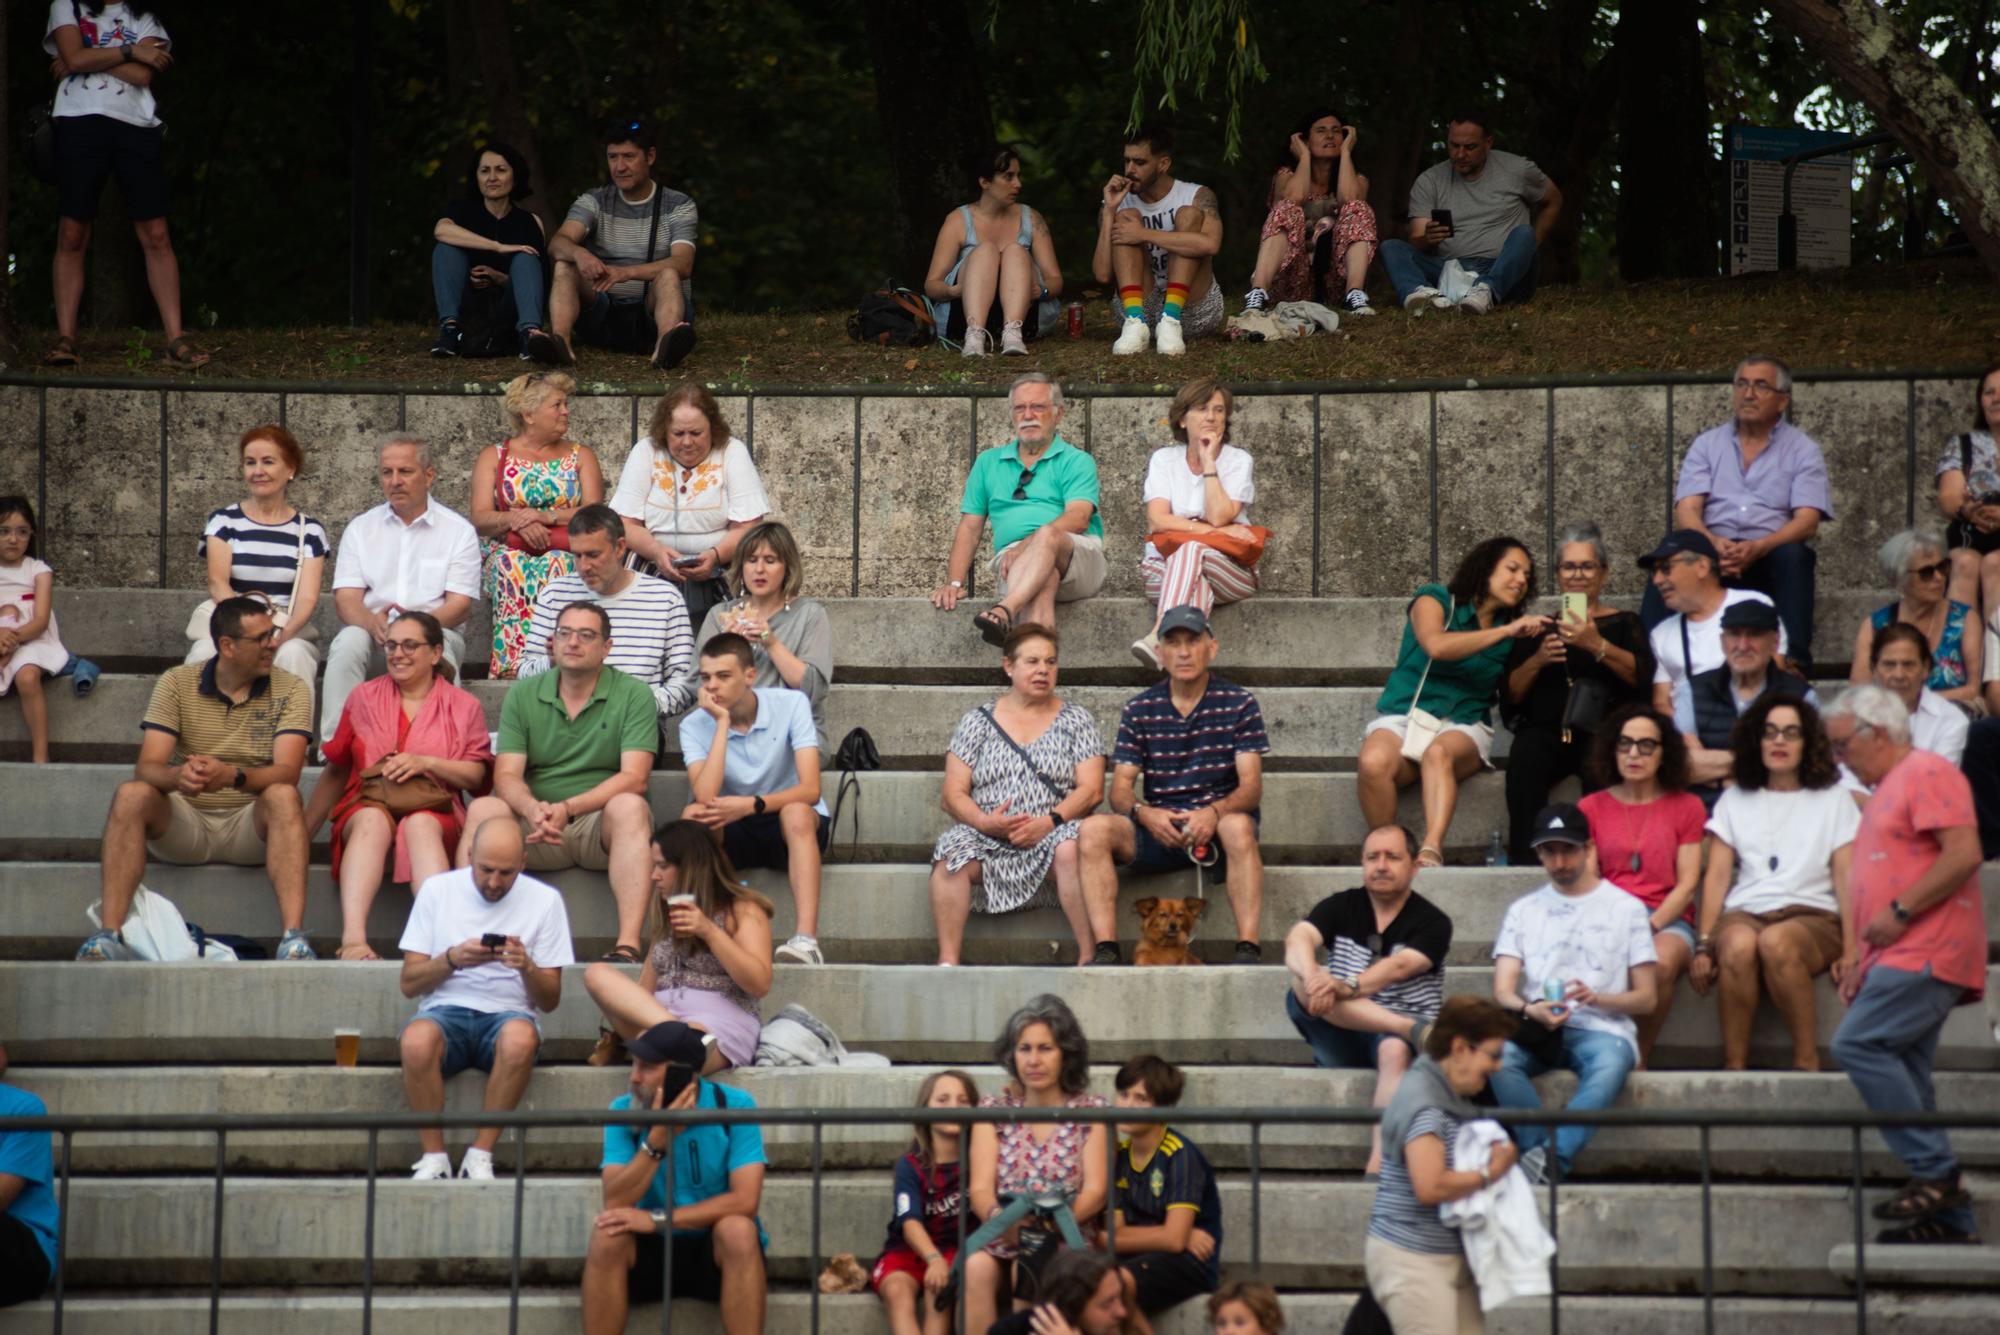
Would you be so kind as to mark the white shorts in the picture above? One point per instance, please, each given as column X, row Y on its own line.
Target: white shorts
column 1085, row 576
column 1480, row 733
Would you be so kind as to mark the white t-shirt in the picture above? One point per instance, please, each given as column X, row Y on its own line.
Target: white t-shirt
column 1169, row 479
column 1595, row 939
column 1784, row 842
column 98, row 93
column 450, row 910
column 686, row 507
column 1704, row 638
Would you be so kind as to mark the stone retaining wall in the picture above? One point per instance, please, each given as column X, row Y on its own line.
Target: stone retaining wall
column 1368, row 491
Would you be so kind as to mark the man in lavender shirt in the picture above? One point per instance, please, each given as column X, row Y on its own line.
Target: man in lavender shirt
column 1757, row 487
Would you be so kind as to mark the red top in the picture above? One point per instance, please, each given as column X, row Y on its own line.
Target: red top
column 1897, row 844
column 1655, row 830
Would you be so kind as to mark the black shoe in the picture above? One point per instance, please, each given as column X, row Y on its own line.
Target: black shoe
column 674, row 346
column 549, row 350
column 1921, row 1198
column 1249, row 952
column 1106, row 953
column 1930, row 1232
column 450, row 338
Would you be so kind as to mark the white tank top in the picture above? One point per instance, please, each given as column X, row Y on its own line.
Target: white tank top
column 1159, row 216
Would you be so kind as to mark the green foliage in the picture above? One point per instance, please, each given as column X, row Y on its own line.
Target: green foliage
column 1178, row 42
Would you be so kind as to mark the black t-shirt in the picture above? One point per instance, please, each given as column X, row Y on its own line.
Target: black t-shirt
column 518, row 228
column 1542, row 707
column 1346, row 922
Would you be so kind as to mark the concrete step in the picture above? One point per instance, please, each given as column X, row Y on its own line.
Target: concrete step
column 1662, row 1152
column 1922, row 1267
column 58, row 811
column 555, row 1312
column 1768, row 1238
column 272, row 1012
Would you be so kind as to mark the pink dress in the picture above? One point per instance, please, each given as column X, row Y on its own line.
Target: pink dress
column 18, row 608
column 1031, row 1167
column 697, row 989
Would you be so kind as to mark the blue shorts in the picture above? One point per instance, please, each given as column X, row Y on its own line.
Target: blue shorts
column 469, row 1035
column 1681, row 928
column 1149, row 855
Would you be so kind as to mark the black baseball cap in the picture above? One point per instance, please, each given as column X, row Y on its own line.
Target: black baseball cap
column 1562, row 823
column 1185, row 617
column 1750, row 614
column 1682, row 541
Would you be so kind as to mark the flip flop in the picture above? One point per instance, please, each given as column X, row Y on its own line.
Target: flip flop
column 673, row 347
column 994, row 624
column 62, row 352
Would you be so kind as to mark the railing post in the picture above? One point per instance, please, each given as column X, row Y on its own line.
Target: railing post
column 368, row 1236
column 1707, row 1243
column 514, row 1265
column 1110, row 1192
column 812, row 1269
column 1860, row 1243
column 1256, row 1198
column 964, row 1207
column 666, row 1170
column 62, row 1229
column 1555, row 1258
column 215, row 1249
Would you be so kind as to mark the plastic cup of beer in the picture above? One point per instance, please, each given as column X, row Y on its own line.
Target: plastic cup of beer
column 346, row 1047
column 674, row 902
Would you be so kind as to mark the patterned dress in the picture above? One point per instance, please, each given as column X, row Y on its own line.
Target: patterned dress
column 1351, row 224
column 697, row 989
column 512, row 577
column 1039, row 1168
column 1012, row 878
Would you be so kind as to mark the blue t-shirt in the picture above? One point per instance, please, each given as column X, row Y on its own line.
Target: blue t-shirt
column 704, row 1156
column 27, row 1155
column 1176, row 1177
column 763, row 760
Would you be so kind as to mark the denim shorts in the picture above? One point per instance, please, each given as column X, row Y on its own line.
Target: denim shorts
column 469, row 1035
column 1683, row 929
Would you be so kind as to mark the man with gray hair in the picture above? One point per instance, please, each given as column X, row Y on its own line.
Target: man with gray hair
column 408, row 554
column 1914, row 889
column 1040, row 491
column 1756, row 487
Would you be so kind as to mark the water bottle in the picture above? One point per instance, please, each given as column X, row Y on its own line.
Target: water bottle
column 1496, row 851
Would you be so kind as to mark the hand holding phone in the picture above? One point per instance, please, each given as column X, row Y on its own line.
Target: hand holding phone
column 1440, row 226
column 494, row 940
column 689, row 562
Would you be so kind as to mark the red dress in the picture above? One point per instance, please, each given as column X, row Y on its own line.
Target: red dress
column 342, row 750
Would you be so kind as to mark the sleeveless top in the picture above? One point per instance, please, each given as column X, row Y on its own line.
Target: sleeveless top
column 697, row 971
column 1948, row 658
column 1026, row 238
column 1159, row 217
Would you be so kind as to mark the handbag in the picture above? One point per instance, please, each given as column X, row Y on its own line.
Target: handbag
column 197, row 626
column 856, row 753
column 1588, row 703
column 402, row 797
column 1539, row 1041
column 558, row 533
column 1422, row 727
column 1243, row 551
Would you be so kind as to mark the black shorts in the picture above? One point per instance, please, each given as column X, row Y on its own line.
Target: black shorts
column 1167, row 1279
column 90, row 149
column 1149, row 855
column 759, row 841
column 1958, row 535
column 695, row 1272
column 621, row 326
column 24, row 1267
column 1031, row 328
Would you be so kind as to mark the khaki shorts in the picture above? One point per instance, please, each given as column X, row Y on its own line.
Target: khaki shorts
column 1822, row 931
column 198, row 835
column 1086, row 572
column 581, row 846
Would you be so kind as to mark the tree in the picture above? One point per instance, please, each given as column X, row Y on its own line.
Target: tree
column 9, row 338
column 1667, row 224
column 1916, row 100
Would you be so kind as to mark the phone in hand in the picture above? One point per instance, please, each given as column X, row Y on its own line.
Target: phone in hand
column 494, row 940
column 1576, row 607
column 689, row 562
column 679, row 1077
column 1442, row 217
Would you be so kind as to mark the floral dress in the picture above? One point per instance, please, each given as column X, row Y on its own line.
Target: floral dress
column 1012, row 878
column 1353, row 223
column 1034, row 1168
column 512, row 577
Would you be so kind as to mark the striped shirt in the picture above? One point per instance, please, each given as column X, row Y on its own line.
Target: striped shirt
column 615, row 230
column 264, row 558
column 1346, row 924
column 650, row 639
column 205, row 722
column 1399, row 1218
column 1189, row 762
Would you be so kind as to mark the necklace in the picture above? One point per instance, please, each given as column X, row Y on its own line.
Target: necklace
column 1645, row 828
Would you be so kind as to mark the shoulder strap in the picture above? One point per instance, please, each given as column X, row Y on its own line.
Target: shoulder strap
column 1965, row 458
column 971, row 232
column 1019, row 750
column 653, row 232
column 1450, row 612
column 1687, row 654
column 1027, row 236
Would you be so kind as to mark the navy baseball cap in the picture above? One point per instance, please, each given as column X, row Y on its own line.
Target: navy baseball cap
column 1185, row 617
column 1750, row 614
column 1682, row 541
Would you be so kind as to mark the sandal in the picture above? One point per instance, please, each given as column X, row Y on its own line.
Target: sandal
column 1921, row 1198
column 620, row 954
column 62, row 352
column 1429, row 857
column 673, row 347
column 359, row 952
column 183, row 353
column 994, row 624
column 1931, row 1231
column 610, row 1049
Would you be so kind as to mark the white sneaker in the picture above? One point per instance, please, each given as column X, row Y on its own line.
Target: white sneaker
column 1479, row 300
column 1167, row 339
column 431, row 1168
column 977, row 343
column 799, row 950
column 1420, row 299
column 476, row 1166
column 1011, row 342
column 1356, row 303
column 1147, row 650
column 1135, row 337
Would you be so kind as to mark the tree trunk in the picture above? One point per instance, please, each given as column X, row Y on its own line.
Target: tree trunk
column 1667, row 224
column 9, row 337
column 1916, row 101
column 1408, row 124
column 506, row 109
column 116, row 281
column 932, row 102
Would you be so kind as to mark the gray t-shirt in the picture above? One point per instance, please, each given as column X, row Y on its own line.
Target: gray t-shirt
column 615, row 230
column 1483, row 211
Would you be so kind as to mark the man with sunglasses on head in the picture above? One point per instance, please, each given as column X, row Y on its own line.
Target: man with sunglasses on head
column 1756, row 489
column 1686, row 573
column 1040, row 491
column 217, row 779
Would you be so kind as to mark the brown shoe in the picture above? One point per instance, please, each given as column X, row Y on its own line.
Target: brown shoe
column 610, row 1050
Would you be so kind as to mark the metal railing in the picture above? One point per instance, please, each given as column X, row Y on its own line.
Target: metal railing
column 67, row 1128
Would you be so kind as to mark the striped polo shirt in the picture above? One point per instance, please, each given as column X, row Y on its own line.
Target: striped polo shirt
column 650, row 637
column 264, row 558
column 1189, row 762
column 1398, row 1217
column 616, row 230
column 205, row 722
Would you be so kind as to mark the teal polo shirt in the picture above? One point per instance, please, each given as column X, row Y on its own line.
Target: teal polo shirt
column 569, row 756
column 1063, row 474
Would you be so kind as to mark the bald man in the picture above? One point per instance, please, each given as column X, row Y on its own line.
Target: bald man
column 484, row 949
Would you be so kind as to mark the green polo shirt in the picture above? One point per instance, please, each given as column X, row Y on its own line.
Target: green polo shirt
column 569, row 756
column 1063, row 474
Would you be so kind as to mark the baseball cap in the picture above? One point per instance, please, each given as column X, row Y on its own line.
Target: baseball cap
column 1682, row 541
column 670, row 1041
column 1185, row 617
column 1561, row 823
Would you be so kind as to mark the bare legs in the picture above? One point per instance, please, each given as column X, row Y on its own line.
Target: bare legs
column 1448, row 762
column 163, row 273
column 365, row 844
column 951, row 902
column 1031, row 572
column 1775, row 958
column 631, row 1010
column 1675, row 956
column 34, row 711
column 423, row 1076
column 1008, row 270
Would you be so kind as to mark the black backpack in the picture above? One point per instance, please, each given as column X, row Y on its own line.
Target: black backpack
column 893, row 317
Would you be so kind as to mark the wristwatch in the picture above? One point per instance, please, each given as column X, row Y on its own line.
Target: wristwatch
column 659, row 1221
column 240, row 779
column 1057, row 819
column 954, row 584
column 757, row 805
column 1902, row 914
column 647, row 1145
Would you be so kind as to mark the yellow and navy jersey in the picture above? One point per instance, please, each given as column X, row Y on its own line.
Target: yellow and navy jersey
column 1175, row 1177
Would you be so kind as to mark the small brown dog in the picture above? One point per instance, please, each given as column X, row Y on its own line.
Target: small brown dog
column 1166, row 927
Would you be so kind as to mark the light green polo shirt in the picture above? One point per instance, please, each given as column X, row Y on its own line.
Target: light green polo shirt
column 1063, row 474
column 569, row 756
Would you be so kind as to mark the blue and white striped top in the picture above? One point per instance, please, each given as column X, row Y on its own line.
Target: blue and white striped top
column 264, row 558
column 1399, row 1218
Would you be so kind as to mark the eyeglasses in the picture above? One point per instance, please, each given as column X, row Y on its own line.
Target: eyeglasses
column 581, row 634
column 1840, row 745
column 1638, row 746
column 265, row 638
column 1021, row 487
column 404, row 646
column 1935, row 570
column 1758, row 387
column 1578, row 568
column 1791, row 732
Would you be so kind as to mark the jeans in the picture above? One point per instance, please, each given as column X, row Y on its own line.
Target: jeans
column 1785, row 576
column 1511, row 274
column 1540, row 760
column 1601, row 1061
column 1333, row 1048
column 470, row 1036
column 1885, row 1044
column 451, row 272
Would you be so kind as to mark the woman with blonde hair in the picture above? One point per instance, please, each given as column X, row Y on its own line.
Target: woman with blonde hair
column 524, row 491
column 790, row 636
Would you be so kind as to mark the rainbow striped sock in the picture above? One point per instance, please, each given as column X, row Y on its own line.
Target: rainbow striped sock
column 1170, row 309
column 1134, row 302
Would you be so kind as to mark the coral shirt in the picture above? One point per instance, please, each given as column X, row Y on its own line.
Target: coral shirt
column 1897, row 844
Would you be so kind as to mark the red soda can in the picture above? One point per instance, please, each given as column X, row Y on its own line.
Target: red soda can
column 1075, row 319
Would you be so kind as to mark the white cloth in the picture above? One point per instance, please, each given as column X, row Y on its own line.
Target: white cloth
column 1169, row 479
column 450, row 910
column 1595, row 939
column 1936, row 725
column 797, row 1037
column 410, row 566
column 1705, row 639
column 98, row 93
column 1797, row 831
column 1506, row 1244
column 1306, row 316
column 687, row 508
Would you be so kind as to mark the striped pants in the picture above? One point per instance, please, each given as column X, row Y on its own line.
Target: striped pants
column 1196, row 575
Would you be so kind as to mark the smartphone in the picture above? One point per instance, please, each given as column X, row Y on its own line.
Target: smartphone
column 688, row 562
column 1576, row 607
column 679, row 1077
column 493, row 940
column 1442, row 217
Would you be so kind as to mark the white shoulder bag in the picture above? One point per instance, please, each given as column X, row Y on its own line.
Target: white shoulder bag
column 1423, row 727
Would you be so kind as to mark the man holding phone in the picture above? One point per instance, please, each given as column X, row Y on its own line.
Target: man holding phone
column 717, row 1240
column 484, row 948
column 1491, row 211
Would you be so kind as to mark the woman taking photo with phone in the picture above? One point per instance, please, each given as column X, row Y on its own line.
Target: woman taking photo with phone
column 1968, row 495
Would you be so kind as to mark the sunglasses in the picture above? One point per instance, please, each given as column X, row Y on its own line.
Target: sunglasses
column 1021, row 487
column 1935, row 570
column 1789, row 733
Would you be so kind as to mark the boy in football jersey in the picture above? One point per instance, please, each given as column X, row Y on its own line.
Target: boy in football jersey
column 1169, row 1214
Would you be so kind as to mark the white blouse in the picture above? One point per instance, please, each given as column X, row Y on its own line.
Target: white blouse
column 685, row 508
